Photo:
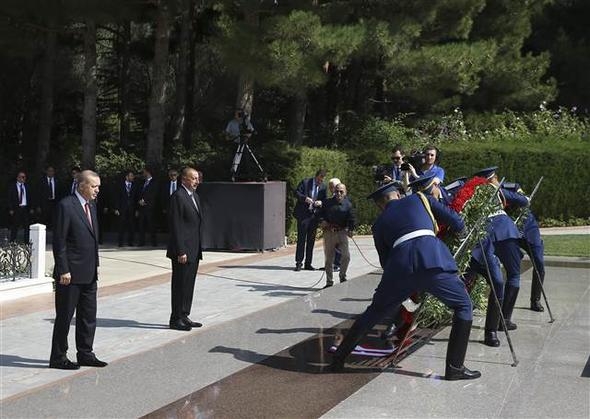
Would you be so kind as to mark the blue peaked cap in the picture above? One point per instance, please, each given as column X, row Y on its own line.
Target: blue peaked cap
column 487, row 173
column 385, row 189
column 423, row 183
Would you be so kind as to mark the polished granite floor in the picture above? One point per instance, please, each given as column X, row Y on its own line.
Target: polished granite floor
column 269, row 363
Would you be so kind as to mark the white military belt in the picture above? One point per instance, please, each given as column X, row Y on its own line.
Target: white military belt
column 499, row 212
column 413, row 235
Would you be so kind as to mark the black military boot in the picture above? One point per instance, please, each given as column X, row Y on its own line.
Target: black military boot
column 456, row 350
column 510, row 294
column 349, row 342
column 492, row 319
column 536, row 292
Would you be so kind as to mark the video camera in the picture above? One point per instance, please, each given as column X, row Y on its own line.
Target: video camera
column 416, row 159
column 379, row 173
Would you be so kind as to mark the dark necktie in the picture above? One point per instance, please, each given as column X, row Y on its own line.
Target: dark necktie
column 51, row 193
column 21, row 194
column 128, row 188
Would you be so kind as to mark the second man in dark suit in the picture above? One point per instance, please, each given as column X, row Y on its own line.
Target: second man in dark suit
column 147, row 197
column 310, row 194
column 185, row 219
column 123, row 204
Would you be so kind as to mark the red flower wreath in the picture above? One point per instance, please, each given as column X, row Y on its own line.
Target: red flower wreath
column 466, row 192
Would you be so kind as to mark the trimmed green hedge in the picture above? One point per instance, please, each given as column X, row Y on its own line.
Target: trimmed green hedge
column 564, row 165
column 563, row 193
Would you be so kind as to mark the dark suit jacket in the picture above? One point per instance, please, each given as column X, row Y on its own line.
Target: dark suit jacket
column 165, row 193
column 149, row 194
column 44, row 192
column 75, row 242
column 121, row 200
column 185, row 224
column 13, row 202
column 303, row 191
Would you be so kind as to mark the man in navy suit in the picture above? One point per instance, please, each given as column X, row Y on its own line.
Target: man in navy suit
column 185, row 216
column 310, row 194
column 124, row 207
column 49, row 194
column 414, row 259
column 75, row 250
column 20, row 206
column 147, row 197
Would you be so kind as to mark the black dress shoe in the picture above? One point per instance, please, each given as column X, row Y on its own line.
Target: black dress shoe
column 452, row 373
column 536, row 306
column 65, row 364
column 179, row 325
column 309, row 268
column 491, row 338
column 191, row 323
column 92, row 362
column 342, row 279
column 297, row 267
column 509, row 325
column 336, row 366
column 328, row 285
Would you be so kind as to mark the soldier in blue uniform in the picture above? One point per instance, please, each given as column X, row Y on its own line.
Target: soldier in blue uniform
column 531, row 242
column 414, row 259
column 504, row 236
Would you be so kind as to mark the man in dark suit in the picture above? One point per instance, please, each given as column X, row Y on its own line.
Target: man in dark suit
column 49, row 194
column 20, row 206
column 147, row 197
column 310, row 194
column 75, row 250
column 73, row 186
column 124, row 207
column 166, row 191
column 185, row 218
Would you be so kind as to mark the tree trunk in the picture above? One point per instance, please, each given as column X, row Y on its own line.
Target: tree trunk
column 245, row 97
column 182, row 70
column 124, row 77
column 90, row 92
column 190, row 83
column 157, row 101
column 46, row 110
column 296, row 125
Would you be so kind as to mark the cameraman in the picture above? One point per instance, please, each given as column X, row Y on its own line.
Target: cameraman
column 428, row 165
column 396, row 172
column 240, row 129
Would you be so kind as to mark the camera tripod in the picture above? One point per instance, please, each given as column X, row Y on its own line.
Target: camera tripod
column 238, row 158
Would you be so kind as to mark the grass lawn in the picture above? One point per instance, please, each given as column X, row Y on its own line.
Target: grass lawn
column 567, row 245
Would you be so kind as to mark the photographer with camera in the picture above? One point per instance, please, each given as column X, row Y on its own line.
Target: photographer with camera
column 396, row 172
column 427, row 164
column 239, row 130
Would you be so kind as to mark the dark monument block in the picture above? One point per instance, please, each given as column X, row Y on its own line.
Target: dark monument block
column 244, row 215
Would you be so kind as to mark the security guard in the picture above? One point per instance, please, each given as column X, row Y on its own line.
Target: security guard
column 531, row 242
column 504, row 236
column 415, row 260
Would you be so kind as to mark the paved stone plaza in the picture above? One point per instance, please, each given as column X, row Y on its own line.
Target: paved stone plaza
column 262, row 348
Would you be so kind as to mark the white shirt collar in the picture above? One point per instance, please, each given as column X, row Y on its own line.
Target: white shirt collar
column 190, row 193
column 82, row 200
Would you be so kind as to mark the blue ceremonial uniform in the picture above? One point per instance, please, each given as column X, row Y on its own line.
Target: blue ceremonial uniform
column 530, row 241
column 504, row 235
column 415, row 260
